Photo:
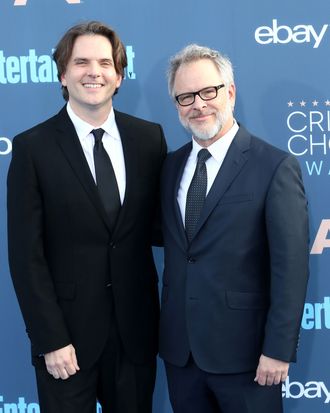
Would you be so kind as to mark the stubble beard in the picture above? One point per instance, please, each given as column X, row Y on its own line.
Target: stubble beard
column 206, row 133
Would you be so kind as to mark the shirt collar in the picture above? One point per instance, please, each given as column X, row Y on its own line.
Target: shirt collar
column 219, row 148
column 84, row 128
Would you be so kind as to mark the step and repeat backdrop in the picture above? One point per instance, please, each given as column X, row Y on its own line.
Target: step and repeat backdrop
column 281, row 55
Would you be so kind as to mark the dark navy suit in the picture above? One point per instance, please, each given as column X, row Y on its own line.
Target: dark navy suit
column 237, row 290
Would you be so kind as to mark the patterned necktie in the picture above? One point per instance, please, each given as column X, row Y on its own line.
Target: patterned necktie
column 196, row 194
column 105, row 178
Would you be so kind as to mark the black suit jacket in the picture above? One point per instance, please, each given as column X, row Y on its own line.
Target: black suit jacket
column 62, row 253
column 237, row 290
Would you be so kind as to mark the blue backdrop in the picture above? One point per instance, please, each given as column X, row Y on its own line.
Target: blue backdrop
column 280, row 52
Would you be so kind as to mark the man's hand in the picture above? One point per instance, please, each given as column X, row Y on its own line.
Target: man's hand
column 271, row 371
column 62, row 363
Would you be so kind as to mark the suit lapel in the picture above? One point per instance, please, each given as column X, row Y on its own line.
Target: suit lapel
column 130, row 149
column 232, row 165
column 68, row 140
column 178, row 230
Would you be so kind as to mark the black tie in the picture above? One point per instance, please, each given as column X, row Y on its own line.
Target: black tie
column 105, row 178
column 196, row 194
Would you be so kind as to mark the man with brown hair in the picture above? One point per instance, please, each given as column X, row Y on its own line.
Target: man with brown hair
column 82, row 192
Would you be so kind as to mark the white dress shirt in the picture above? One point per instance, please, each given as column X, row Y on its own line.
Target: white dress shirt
column 111, row 142
column 218, row 151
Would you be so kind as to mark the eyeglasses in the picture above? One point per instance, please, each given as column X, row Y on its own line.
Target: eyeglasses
column 208, row 93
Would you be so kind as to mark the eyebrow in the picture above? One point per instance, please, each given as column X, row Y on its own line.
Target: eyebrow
column 85, row 59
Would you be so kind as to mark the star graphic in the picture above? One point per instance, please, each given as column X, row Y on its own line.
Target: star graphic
column 290, row 104
column 315, row 102
column 327, row 102
column 302, row 103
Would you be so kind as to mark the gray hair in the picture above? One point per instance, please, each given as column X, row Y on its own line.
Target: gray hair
column 194, row 52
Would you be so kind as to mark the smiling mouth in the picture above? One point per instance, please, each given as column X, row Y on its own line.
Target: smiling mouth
column 201, row 116
column 92, row 85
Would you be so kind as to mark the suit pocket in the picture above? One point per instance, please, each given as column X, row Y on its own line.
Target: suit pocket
column 65, row 291
column 228, row 199
column 246, row 300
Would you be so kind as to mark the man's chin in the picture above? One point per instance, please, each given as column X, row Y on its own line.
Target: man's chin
column 205, row 135
column 200, row 133
column 202, row 137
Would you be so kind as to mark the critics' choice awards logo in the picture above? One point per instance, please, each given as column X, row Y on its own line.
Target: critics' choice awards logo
column 322, row 241
column 24, row 3
column 278, row 33
column 308, row 123
column 5, row 149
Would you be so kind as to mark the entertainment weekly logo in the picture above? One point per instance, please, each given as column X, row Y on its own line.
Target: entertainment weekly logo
column 290, row 390
column 38, row 68
column 33, row 67
column 22, row 406
column 24, row 3
column 316, row 315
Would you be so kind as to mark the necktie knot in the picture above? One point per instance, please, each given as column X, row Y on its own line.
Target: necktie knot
column 98, row 134
column 203, row 155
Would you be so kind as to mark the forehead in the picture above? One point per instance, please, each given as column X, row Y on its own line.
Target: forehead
column 196, row 75
column 92, row 45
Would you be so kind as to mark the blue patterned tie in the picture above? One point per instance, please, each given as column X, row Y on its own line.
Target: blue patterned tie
column 196, row 194
column 105, row 178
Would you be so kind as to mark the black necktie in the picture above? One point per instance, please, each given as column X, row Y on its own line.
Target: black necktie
column 196, row 194
column 105, row 178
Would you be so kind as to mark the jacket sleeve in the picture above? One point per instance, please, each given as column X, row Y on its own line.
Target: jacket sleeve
column 288, row 238
column 157, row 236
column 27, row 260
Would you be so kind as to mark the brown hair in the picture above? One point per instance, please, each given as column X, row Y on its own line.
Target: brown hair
column 63, row 50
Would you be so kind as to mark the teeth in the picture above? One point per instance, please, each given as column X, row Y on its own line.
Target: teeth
column 92, row 85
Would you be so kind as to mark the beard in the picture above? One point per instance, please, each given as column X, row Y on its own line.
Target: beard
column 205, row 133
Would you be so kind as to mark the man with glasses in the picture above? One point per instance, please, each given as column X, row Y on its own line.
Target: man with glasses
column 235, row 229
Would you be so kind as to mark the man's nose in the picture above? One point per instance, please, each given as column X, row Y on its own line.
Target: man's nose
column 93, row 70
column 199, row 103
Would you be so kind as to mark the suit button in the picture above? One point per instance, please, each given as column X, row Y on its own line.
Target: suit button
column 112, row 245
column 191, row 260
column 108, row 285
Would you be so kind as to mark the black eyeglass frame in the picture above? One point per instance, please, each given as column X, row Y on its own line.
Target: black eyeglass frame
column 194, row 94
